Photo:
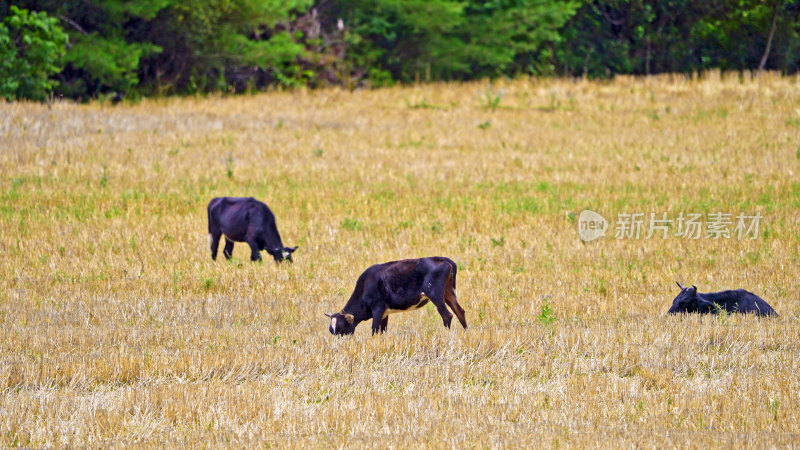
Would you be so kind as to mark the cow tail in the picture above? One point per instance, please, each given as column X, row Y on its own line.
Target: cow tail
column 455, row 271
column 454, row 267
column 211, row 221
column 209, row 218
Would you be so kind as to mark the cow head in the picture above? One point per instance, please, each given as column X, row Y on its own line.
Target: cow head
column 279, row 254
column 341, row 323
column 688, row 302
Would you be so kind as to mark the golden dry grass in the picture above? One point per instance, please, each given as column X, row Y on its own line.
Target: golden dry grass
column 117, row 328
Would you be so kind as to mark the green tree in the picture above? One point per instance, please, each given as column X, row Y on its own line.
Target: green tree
column 211, row 44
column 750, row 34
column 401, row 39
column 31, row 48
column 607, row 37
column 104, row 50
column 106, row 63
column 505, row 37
column 176, row 46
column 445, row 39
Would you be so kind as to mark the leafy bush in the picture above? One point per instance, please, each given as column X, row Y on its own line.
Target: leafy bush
column 108, row 63
column 547, row 317
column 31, row 49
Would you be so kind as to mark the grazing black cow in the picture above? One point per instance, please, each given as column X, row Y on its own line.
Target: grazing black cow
column 245, row 220
column 400, row 286
column 738, row 301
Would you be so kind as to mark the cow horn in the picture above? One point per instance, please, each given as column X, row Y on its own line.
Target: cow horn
column 679, row 285
column 694, row 287
column 328, row 315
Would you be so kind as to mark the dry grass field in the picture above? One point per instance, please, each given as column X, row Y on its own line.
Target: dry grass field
column 117, row 328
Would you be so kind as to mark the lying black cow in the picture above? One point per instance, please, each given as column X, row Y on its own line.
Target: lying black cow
column 738, row 301
column 245, row 220
column 400, row 286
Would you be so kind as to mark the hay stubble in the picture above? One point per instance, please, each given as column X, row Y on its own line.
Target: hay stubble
column 118, row 328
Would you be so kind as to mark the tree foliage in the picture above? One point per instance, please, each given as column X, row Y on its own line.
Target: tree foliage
column 166, row 47
column 447, row 39
column 31, row 47
column 217, row 44
column 608, row 37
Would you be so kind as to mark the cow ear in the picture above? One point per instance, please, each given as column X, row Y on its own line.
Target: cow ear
column 349, row 318
column 706, row 303
column 328, row 315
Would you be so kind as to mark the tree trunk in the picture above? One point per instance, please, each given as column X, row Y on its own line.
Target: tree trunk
column 769, row 39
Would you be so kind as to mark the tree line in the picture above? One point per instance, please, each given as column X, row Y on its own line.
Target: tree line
column 86, row 49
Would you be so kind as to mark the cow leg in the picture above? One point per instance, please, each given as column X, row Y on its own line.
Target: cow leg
column 378, row 321
column 437, row 297
column 452, row 302
column 228, row 251
column 255, row 252
column 384, row 324
column 213, row 240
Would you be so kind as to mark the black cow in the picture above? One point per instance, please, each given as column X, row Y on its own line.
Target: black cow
column 738, row 301
column 400, row 286
column 245, row 220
